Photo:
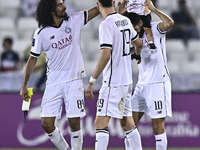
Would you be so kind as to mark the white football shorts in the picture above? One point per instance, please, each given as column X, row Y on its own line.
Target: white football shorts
column 70, row 93
column 153, row 99
column 114, row 101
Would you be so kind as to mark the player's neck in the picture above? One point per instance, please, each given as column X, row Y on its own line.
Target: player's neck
column 57, row 21
column 107, row 11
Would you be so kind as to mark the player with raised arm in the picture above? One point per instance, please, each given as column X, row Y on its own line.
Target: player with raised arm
column 58, row 35
column 139, row 7
column 152, row 94
column 115, row 36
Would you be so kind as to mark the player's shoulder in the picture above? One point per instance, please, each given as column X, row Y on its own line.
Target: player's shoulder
column 115, row 17
column 154, row 24
column 39, row 30
column 104, row 23
column 77, row 14
column 107, row 23
column 77, row 17
column 122, row 17
column 155, row 27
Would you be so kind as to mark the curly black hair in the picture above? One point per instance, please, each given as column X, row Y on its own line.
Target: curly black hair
column 44, row 12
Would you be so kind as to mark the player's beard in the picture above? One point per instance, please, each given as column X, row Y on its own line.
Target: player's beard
column 65, row 16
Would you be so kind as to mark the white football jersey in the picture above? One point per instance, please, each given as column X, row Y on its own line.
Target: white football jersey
column 153, row 67
column 116, row 33
column 61, row 46
column 136, row 6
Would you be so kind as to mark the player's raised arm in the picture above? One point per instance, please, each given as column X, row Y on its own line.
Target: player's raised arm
column 123, row 1
column 166, row 23
column 93, row 13
column 121, row 7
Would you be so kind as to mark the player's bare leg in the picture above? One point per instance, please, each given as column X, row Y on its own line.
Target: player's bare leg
column 102, row 133
column 137, row 116
column 48, row 124
column 149, row 34
column 158, row 126
column 54, row 134
column 132, row 139
column 127, row 123
column 76, row 133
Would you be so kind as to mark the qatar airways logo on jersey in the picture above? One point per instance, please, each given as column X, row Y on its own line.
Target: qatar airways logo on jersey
column 63, row 43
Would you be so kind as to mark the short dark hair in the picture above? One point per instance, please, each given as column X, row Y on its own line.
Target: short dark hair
column 135, row 18
column 106, row 3
column 44, row 12
column 9, row 40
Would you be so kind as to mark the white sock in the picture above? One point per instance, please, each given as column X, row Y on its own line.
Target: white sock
column 76, row 140
column 150, row 42
column 102, row 138
column 161, row 141
column 127, row 145
column 134, row 139
column 58, row 140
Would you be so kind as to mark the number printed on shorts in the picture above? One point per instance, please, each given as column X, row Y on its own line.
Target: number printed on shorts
column 158, row 105
column 80, row 104
column 100, row 103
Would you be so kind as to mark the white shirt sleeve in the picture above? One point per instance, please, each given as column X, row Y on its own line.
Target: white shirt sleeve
column 80, row 18
column 36, row 48
column 158, row 32
column 105, row 36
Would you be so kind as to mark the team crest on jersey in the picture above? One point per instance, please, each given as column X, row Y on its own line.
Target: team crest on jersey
column 68, row 30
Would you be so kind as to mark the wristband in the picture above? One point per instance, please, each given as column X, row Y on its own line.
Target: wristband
column 92, row 80
column 134, row 56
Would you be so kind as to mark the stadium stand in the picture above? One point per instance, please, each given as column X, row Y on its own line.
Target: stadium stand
column 25, row 31
column 175, row 45
column 7, row 23
column 181, row 58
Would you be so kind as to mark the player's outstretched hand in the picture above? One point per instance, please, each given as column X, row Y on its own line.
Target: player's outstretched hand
column 24, row 93
column 89, row 91
column 149, row 4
